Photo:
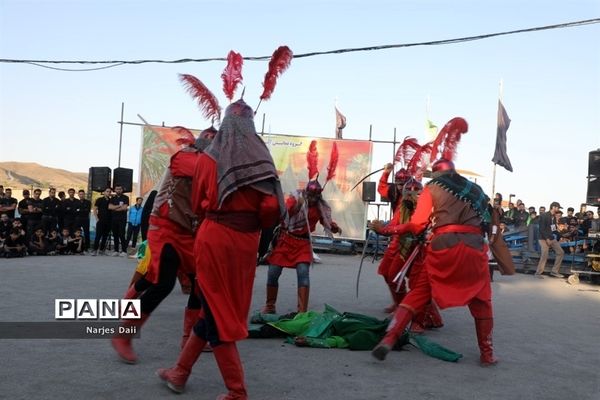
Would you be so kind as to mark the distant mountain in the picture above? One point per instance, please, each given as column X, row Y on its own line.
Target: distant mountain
column 21, row 175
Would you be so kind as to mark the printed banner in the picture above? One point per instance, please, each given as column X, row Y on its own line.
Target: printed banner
column 289, row 155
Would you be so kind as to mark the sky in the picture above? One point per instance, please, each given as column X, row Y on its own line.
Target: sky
column 550, row 79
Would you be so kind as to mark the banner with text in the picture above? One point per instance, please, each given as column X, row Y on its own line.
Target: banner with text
column 289, row 155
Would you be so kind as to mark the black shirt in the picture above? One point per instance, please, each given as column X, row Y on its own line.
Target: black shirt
column 23, row 207
column 102, row 205
column 36, row 204
column 84, row 208
column 119, row 200
column 51, row 206
column 70, row 207
column 6, row 202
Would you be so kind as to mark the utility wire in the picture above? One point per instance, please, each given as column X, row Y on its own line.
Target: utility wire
column 116, row 63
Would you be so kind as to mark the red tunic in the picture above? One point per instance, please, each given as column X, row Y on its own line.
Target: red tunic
column 456, row 275
column 226, row 258
column 294, row 247
column 164, row 231
column 386, row 268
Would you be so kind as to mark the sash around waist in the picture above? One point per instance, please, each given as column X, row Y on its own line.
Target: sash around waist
column 457, row 229
column 242, row 221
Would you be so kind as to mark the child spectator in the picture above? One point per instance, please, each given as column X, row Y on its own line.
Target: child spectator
column 54, row 240
column 63, row 242
column 38, row 244
column 76, row 243
column 14, row 245
column 17, row 224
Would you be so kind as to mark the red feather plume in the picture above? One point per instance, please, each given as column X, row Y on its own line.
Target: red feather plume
column 280, row 61
column 206, row 100
column 406, row 150
column 232, row 74
column 447, row 140
column 333, row 162
column 418, row 163
column 187, row 137
column 312, row 159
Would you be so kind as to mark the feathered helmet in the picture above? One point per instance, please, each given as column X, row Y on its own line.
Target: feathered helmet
column 445, row 144
column 404, row 154
column 312, row 158
column 232, row 77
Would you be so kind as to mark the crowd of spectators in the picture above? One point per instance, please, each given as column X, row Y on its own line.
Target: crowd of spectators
column 60, row 224
column 569, row 228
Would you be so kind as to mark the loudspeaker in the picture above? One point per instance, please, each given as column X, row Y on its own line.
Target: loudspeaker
column 594, row 163
column 123, row 177
column 368, row 191
column 593, row 190
column 98, row 179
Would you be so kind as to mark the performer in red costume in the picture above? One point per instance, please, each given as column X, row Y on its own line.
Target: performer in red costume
column 293, row 248
column 456, row 266
column 416, row 164
column 236, row 191
column 171, row 241
column 393, row 192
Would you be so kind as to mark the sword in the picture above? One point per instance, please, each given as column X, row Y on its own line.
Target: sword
column 399, row 278
column 365, row 177
column 362, row 259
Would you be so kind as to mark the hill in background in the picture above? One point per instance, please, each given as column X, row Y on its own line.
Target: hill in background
column 22, row 175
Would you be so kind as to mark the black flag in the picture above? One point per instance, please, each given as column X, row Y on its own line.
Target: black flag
column 500, row 156
column 340, row 123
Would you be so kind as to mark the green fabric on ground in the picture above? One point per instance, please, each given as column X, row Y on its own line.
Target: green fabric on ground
column 433, row 349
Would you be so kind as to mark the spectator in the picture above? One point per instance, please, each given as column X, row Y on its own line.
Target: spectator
column 1, row 191
column 520, row 216
column 533, row 218
column 60, row 212
column 102, row 215
column 134, row 222
column 548, row 224
column 118, row 209
column 70, row 205
column 23, row 208
column 503, row 228
column 35, row 206
column 509, row 216
column 542, row 210
column 54, row 240
column 38, row 244
column 8, row 204
column 50, row 210
column 16, row 223
column 572, row 219
column 83, row 218
column 5, row 225
column 76, row 242
column 62, row 247
column 14, row 245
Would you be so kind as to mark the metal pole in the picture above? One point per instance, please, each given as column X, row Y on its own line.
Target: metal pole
column 394, row 145
column 121, row 133
column 494, row 181
column 370, row 131
column 262, row 132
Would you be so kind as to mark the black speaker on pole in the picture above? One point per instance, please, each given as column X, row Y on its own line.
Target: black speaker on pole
column 123, row 177
column 98, row 179
column 594, row 163
column 368, row 191
column 593, row 191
